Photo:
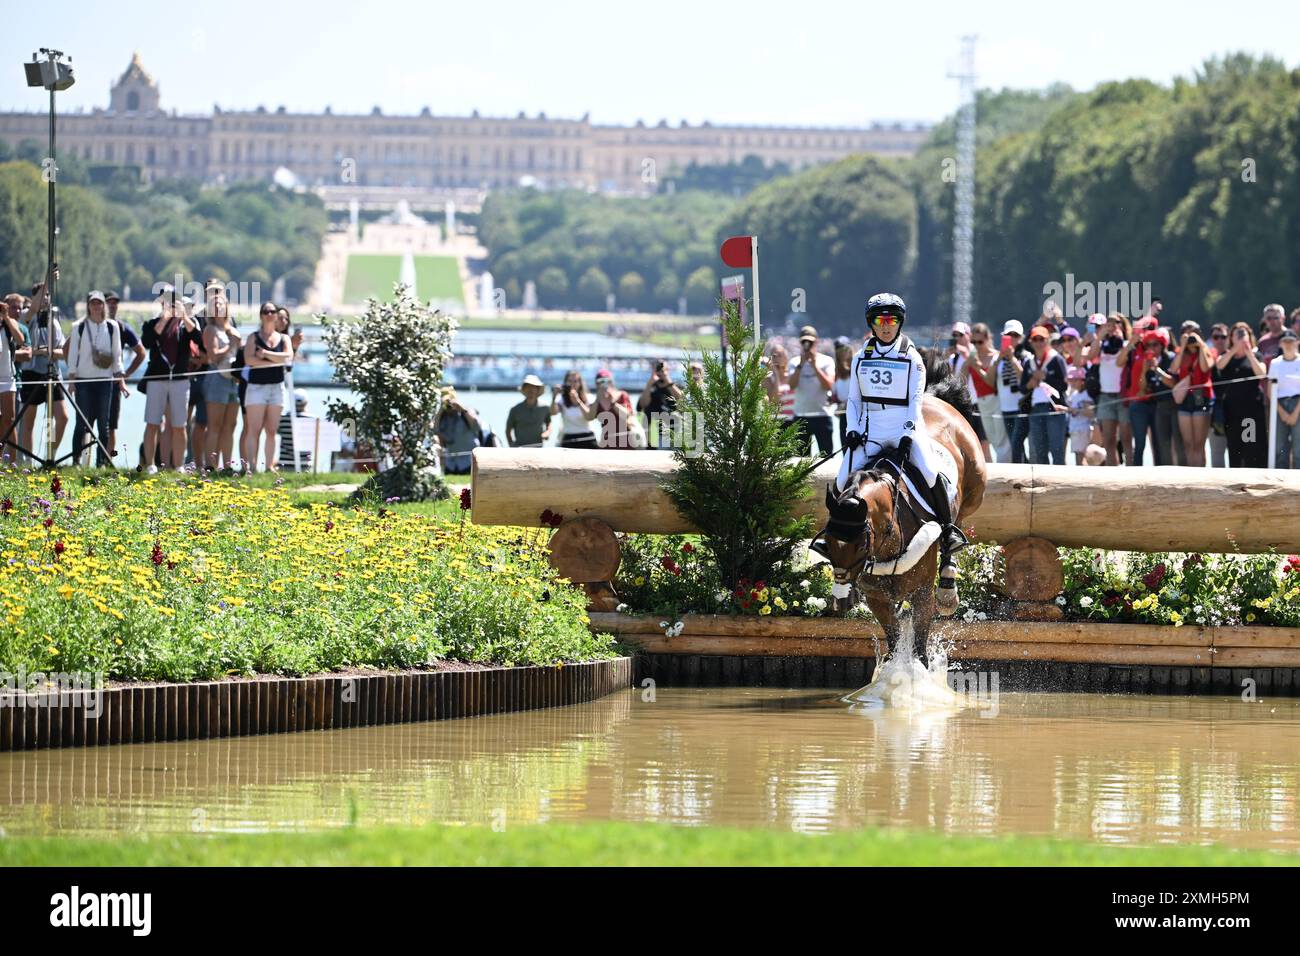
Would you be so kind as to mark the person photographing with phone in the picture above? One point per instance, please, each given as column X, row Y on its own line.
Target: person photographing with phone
column 659, row 398
column 1241, row 371
column 569, row 400
column 812, row 382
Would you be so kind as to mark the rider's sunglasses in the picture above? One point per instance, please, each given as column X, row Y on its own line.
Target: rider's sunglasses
column 885, row 320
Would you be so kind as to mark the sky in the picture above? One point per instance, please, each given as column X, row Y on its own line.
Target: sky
column 803, row 63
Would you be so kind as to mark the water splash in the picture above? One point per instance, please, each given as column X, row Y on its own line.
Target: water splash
column 902, row 682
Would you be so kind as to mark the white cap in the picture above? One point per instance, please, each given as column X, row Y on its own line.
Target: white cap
column 1013, row 327
column 961, row 328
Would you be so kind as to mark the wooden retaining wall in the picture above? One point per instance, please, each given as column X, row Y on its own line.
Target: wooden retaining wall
column 157, row 712
column 727, row 650
column 850, row 673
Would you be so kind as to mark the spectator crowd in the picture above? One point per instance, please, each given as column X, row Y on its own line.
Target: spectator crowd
column 1118, row 391
column 203, row 378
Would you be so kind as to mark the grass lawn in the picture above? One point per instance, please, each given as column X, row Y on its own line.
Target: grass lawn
column 605, row 844
column 371, row 276
column 438, row 277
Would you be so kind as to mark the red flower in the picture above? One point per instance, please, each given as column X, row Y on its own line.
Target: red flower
column 1153, row 578
column 687, row 548
column 464, row 499
column 59, row 547
column 759, row 585
column 171, row 565
column 1192, row 560
column 329, row 525
column 156, row 555
column 1292, row 564
column 547, row 515
column 56, row 485
column 7, row 505
column 48, row 522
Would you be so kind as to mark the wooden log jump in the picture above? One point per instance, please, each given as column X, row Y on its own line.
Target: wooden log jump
column 1124, row 509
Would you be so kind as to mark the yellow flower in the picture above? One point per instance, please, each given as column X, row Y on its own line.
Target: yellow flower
column 54, row 651
column 765, row 609
column 1250, row 617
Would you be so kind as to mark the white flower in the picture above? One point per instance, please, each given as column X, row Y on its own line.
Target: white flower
column 675, row 629
column 1085, row 601
column 621, row 609
column 816, row 603
column 1061, row 600
column 805, row 584
column 722, row 596
column 981, row 616
column 664, row 625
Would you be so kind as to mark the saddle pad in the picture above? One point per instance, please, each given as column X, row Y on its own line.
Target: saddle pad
column 947, row 466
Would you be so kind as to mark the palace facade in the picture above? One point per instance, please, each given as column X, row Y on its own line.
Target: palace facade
column 423, row 151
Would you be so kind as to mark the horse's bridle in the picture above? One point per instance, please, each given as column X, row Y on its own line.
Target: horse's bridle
column 849, row 530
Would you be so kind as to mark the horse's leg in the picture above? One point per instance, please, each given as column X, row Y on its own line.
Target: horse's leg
column 923, row 610
column 886, row 613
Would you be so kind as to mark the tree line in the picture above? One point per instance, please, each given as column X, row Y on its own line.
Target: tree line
column 117, row 233
column 1192, row 187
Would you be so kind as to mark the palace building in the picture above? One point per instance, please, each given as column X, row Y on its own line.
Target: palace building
column 424, row 151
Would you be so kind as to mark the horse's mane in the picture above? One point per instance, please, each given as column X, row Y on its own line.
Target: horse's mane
column 944, row 385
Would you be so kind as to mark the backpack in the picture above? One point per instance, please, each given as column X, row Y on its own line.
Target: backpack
column 1092, row 381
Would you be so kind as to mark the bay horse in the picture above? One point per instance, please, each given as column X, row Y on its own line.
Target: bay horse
column 881, row 542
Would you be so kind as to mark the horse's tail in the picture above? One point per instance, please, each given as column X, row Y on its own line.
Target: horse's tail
column 943, row 384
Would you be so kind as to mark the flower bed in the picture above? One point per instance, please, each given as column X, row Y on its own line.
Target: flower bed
column 667, row 576
column 671, row 575
column 1140, row 588
column 182, row 579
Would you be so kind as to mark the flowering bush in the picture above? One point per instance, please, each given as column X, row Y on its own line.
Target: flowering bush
column 393, row 359
column 182, row 579
column 670, row 575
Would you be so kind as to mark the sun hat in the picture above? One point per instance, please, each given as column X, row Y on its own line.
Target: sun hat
column 807, row 332
column 1069, row 332
column 1013, row 327
column 532, row 380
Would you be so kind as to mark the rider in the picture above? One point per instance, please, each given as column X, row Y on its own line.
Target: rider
column 884, row 411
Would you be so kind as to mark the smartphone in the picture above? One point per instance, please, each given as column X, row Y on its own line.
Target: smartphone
column 1008, row 342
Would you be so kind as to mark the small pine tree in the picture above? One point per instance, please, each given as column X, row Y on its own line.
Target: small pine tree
column 740, row 492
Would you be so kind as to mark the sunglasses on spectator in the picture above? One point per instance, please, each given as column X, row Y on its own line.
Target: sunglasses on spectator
column 978, row 341
column 1218, row 335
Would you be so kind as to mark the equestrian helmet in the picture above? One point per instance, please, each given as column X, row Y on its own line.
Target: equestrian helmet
column 886, row 303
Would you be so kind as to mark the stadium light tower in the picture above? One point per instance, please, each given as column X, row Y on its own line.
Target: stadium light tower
column 963, row 228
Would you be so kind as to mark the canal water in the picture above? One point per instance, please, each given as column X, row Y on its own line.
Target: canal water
column 1108, row 769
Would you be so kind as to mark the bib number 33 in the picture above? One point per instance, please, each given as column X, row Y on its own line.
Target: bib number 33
column 884, row 380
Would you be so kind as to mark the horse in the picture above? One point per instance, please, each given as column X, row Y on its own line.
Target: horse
column 883, row 543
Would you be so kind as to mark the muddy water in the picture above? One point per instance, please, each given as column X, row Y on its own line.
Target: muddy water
column 1103, row 768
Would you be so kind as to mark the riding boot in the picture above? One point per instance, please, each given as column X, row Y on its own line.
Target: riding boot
column 953, row 538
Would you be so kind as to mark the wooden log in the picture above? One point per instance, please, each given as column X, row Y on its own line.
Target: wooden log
column 1032, row 569
column 1036, row 611
column 1219, row 510
column 777, row 629
column 585, row 550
